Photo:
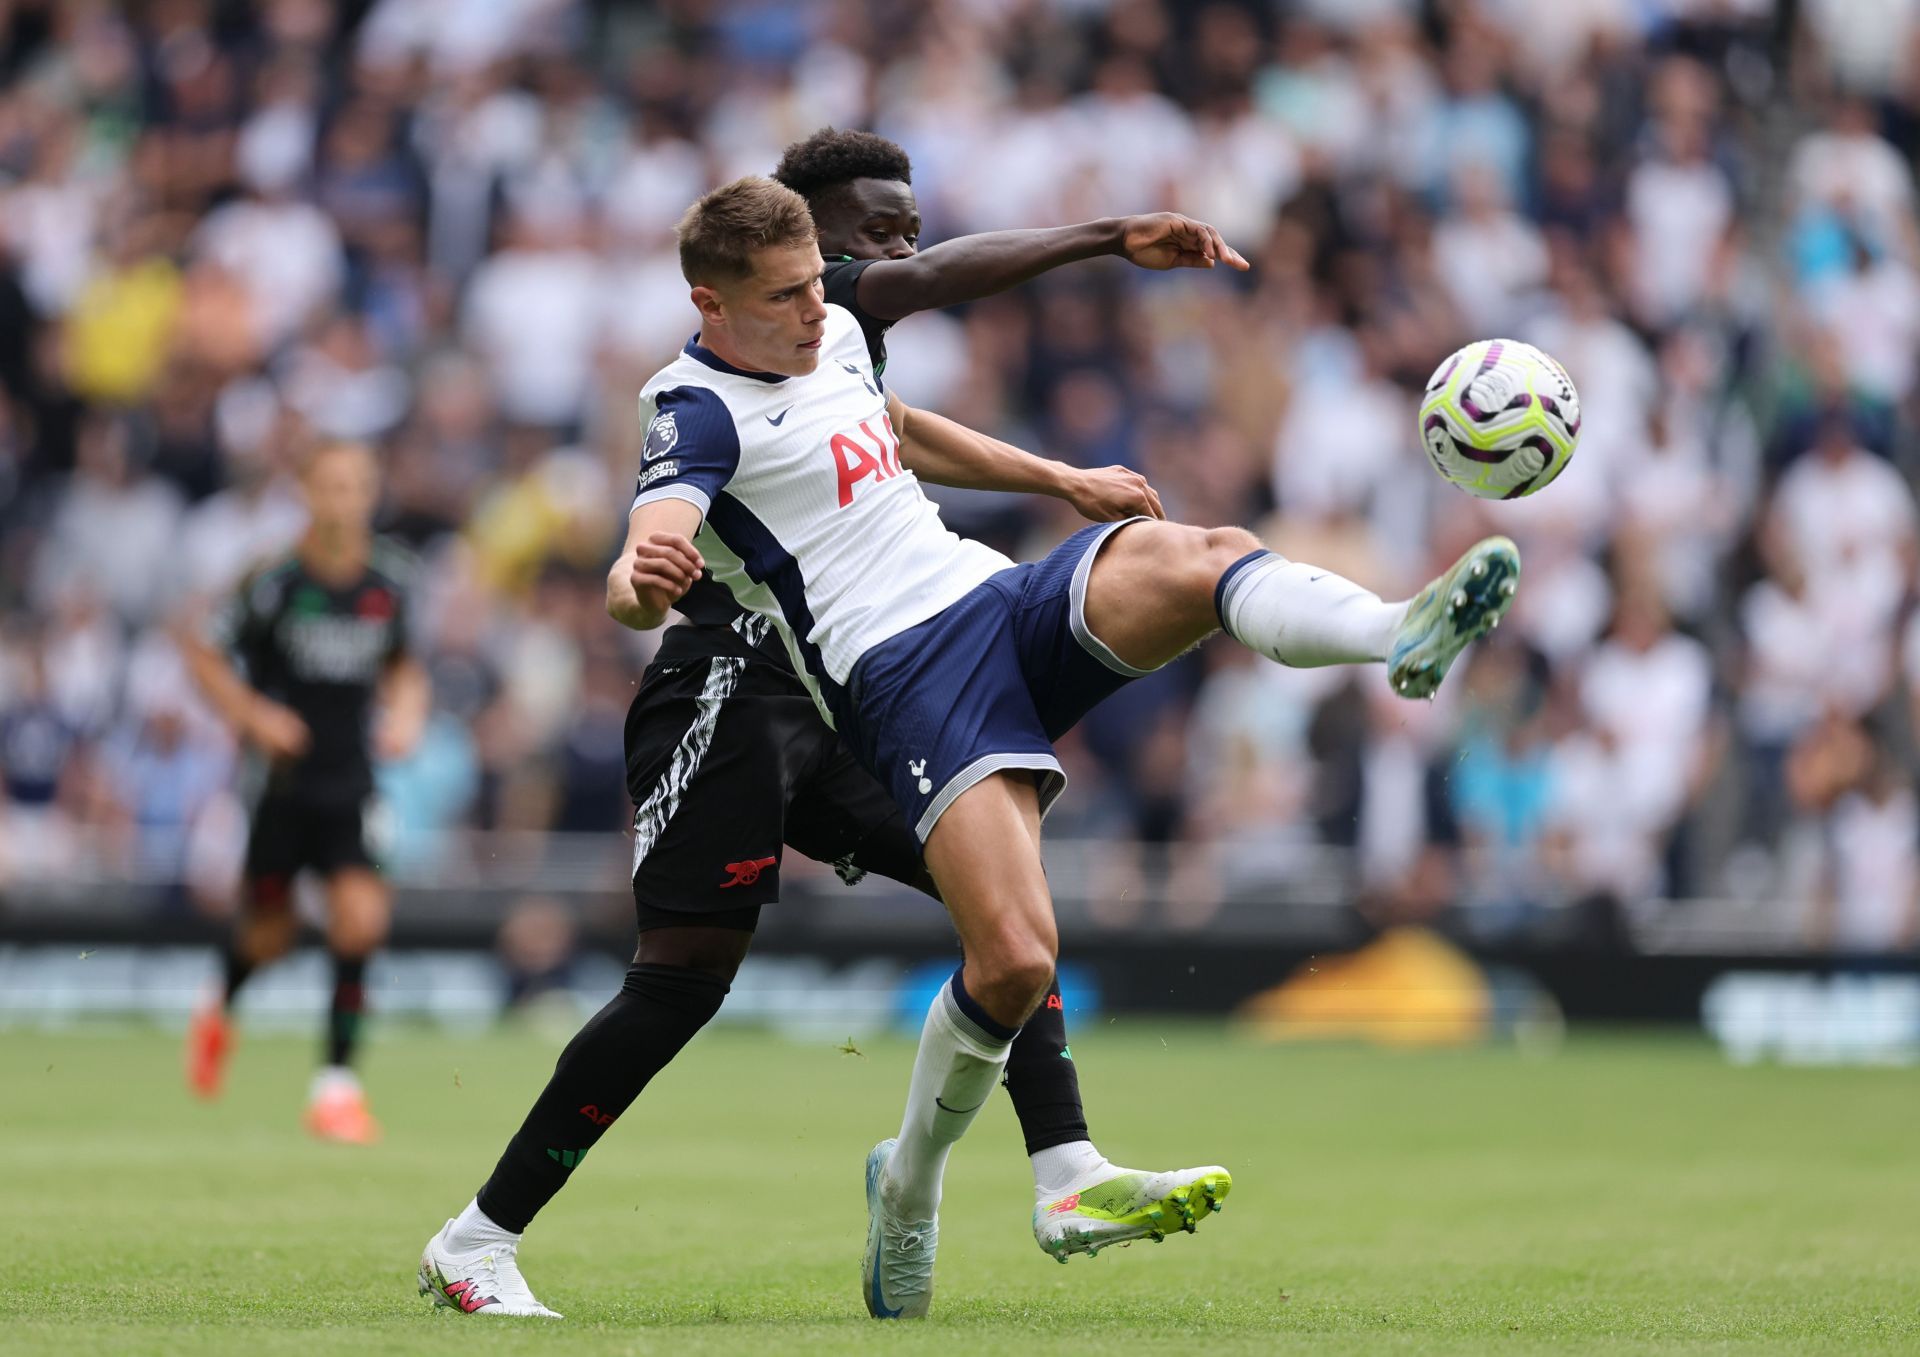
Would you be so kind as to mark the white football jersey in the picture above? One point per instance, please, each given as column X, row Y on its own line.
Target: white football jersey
column 808, row 516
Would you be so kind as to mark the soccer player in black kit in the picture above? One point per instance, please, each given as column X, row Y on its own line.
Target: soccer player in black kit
column 728, row 760
column 308, row 663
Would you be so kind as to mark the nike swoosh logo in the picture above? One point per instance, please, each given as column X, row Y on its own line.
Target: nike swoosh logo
column 959, row 1111
column 877, row 1302
column 775, row 419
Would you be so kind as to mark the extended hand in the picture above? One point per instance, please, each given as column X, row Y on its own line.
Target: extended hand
column 1109, row 493
column 278, row 731
column 1167, row 240
column 663, row 568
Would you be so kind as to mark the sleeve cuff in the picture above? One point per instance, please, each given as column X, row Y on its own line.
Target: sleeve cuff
column 692, row 494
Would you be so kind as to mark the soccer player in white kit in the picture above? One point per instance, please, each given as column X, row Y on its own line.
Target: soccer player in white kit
column 946, row 667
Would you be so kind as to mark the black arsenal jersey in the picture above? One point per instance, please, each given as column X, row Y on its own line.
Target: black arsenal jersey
column 320, row 648
column 715, row 624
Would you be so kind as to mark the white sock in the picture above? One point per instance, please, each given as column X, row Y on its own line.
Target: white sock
column 473, row 1231
column 332, row 1079
column 1060, row 1169
column 954, row 1072
column 1303, row 616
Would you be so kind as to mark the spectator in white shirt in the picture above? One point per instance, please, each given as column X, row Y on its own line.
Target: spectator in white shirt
column 1487, row 255
column 1848, row 514
column 1680, row 203
column 287, row 254
column 533, row 314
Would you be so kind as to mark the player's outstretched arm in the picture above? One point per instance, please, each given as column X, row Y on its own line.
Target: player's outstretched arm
column 972, row 267
column 657, row 564
column 943, row 452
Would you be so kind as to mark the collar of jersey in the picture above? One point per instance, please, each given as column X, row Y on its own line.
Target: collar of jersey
column 700, row 353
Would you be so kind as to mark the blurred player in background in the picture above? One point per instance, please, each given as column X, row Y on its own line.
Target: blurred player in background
column 296, row 662
column 729, row 761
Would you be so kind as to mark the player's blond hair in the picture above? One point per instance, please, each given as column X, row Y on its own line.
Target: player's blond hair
column 719, row 234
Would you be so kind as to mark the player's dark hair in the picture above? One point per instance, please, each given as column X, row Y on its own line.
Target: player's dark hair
column 830, row 158
column 719, row 234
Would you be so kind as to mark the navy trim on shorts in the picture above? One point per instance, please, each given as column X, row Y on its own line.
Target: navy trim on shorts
column 1077, row 611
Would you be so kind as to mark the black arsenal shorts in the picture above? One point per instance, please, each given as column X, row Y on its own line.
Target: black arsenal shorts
column 290, row 836
column 728, row 764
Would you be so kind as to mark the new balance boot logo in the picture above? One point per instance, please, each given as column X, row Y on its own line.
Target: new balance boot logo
column 1064, row 1205
column 747, row 872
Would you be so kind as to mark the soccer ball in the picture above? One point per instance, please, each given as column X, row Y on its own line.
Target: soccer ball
column 1500, row 419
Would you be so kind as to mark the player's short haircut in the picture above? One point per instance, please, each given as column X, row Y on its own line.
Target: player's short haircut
column 719, row 234
column 828, row 159
column 320, row 449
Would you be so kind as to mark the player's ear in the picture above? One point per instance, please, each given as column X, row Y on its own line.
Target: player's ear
column 710, row 306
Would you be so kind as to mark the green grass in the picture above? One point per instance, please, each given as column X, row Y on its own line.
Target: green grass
column 1619, row 1197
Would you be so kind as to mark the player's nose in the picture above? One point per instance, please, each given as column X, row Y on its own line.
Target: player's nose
column 900, row 251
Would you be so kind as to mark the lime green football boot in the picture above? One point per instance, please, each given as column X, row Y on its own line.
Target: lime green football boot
column 1461, row 606
column 1126, row 1205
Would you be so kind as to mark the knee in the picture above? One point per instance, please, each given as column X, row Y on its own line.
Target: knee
column 268, row 937
column 1197, row 556
column 1224, row 546
column 1017, row 967
column 357, row 926
column 715, row 952
column 1028, row 975
column 361, row 936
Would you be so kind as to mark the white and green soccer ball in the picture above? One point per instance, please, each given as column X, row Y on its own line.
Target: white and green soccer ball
column 1500, row 419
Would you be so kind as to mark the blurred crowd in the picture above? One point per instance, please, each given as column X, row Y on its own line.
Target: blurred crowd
column 445, row 227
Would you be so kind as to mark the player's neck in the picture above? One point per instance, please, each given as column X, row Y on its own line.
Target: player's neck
column 716, row 344
column 335, row 556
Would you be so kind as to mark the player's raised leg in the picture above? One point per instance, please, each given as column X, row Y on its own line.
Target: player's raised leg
column 1156, row 589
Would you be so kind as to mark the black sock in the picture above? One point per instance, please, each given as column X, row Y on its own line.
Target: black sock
column 238, row 969
column 1041, row 1079
column 349, row 1002
column 601, row 1072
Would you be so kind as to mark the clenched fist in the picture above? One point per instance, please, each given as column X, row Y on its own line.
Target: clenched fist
column 663, row 568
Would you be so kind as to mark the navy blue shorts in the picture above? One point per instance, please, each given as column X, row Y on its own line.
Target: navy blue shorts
column 989, row 684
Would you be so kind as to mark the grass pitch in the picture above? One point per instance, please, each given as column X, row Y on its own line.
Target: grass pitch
column 1621, row 1196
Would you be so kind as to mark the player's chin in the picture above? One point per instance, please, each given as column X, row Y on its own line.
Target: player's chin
column 806, row 357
